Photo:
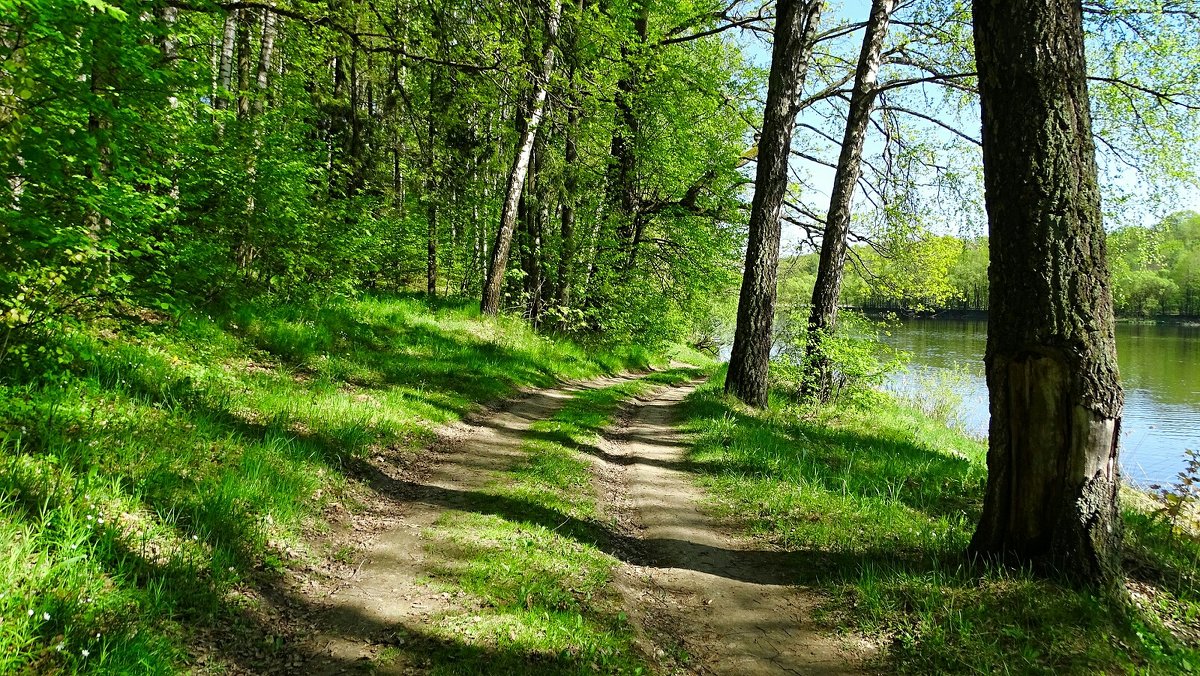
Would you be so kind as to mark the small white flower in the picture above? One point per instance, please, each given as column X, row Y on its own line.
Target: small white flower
column 85, row 652
column 60, row 647
column 195, row 537
column 30, row 613
column 46, row 616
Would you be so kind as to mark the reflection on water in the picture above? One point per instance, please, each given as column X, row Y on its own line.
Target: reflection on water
column 1160, row 370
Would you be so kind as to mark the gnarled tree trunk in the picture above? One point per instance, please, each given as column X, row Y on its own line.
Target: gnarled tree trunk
column 795, row 30
column 1051, row 358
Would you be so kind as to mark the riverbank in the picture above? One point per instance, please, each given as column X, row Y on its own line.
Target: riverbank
column 173, row 467
column 879, row 502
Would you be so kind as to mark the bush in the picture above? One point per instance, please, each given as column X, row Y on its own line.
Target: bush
column 859, row 359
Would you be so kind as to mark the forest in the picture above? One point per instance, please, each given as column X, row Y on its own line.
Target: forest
column 424, row 336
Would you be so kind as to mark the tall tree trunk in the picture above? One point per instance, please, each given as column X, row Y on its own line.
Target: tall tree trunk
column 490, row 304
column 828, row 287
column 795, row 30
column 266, row 54
column 225, row 67
column 431, row 185
column 622, row 180
column 99, row 124
column 245, row 18
column 570, row 198
column 431, row 213
column 1055, row 397
column 14, row 185
column 541, row 219
column 528, row 218
column 566, row 249
column 167, row 46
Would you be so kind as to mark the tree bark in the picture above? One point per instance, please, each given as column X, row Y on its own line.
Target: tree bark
column 795, row 30
column 99, row 124
column 531, row 218
column 828, row 287
column 243, row 62
column 566, row 250
column 431, row 206
column 225, row 67
column 622, row 180
column 1055, row 398
column 266, row 55
column 167, row 46
column 490, row 303
column 570, row 198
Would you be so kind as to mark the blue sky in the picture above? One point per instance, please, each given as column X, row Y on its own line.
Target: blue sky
column 821, row 177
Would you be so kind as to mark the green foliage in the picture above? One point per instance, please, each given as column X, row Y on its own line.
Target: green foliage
column 859, row 359
column 1154, row 268
column 151, row 158
column 1155, row 271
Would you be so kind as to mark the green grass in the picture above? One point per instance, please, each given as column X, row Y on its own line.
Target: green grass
column 173, row 464
column 535, row 559
column 880, row 501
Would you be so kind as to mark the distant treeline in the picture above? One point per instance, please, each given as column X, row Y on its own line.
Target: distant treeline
column 1155, row 272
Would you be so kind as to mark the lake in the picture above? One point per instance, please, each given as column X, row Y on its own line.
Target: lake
column 1160, row 371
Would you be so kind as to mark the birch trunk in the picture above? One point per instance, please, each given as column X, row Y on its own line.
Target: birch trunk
column 225, row 63
column 490, row 304
column 266, row 54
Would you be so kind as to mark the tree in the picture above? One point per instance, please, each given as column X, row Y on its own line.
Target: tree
column 1055, row 399
column 795, row 28
column 827, row 289
column 490, row 304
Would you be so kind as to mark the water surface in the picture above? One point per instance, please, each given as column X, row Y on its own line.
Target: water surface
column 1160, row 371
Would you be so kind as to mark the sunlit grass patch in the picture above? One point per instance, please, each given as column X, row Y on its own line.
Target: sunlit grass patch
column 883, row 500
column 211, row 447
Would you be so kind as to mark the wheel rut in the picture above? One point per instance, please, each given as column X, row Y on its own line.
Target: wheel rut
column 387, row 597
column 725, row 602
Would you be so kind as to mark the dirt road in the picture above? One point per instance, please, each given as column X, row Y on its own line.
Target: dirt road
column 725, row 601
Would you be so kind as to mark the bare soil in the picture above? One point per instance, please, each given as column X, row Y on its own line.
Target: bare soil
column 388, row 598
column 709, row 601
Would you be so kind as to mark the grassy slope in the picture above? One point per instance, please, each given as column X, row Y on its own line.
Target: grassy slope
column 171, row 461
column 884, row 500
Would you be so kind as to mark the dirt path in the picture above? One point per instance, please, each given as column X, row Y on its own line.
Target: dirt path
column 704, row 601
column 723, row 601
column 385, row 601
